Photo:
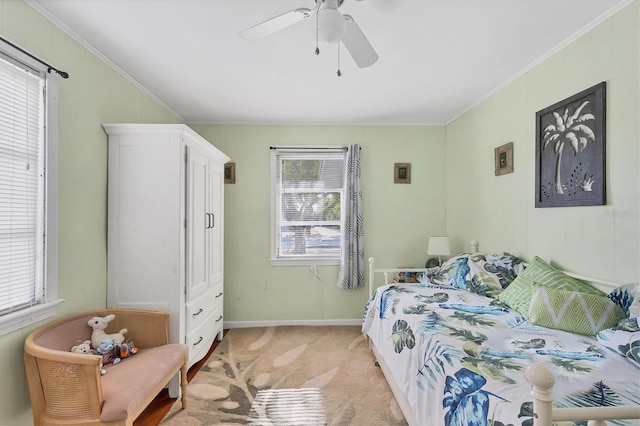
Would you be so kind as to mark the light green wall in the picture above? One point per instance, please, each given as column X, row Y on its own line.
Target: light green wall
column 93, row 94
column 397, row 217
column 499, row 211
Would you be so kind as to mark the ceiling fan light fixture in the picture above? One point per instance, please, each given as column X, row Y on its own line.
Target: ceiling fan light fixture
column 329, row 26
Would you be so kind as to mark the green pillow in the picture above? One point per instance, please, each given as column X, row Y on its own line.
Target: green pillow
column 518, row 295
column 572, row 311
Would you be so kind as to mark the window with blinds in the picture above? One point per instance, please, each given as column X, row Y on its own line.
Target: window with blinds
column 307, row 192
column 28, row 195
column 22, row 186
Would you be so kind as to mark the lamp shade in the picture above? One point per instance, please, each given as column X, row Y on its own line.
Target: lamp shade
column 439, row 246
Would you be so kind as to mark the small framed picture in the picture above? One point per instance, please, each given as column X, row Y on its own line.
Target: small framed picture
column 504, row 159
column 402, row 173
column 230, row 172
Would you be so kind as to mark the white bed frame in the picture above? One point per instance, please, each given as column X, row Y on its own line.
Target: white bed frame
column 537, row 374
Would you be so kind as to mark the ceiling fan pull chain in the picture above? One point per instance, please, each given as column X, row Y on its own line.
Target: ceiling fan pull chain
column 317, row 30
column 339, row 73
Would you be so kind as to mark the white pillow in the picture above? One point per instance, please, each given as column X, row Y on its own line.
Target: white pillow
column 627, row 296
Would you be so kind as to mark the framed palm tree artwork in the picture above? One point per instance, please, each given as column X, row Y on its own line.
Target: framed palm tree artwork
column 570, row 151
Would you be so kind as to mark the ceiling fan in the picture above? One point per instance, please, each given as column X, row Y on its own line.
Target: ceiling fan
column 328, row 25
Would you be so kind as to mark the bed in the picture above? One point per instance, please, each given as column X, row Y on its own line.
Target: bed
column 454, row 352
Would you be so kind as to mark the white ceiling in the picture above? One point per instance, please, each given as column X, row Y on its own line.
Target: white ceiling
column 438, row 58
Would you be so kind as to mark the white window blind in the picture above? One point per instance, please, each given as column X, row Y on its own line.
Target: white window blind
column 307, row 192
column 22, row 186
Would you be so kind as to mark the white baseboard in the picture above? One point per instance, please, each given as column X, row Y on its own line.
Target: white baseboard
column 247, row 324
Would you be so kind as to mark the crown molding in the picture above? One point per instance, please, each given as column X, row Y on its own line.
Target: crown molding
column 35, row 4
column 591, row 25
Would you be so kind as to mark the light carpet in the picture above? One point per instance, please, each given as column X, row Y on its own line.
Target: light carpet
column 302, row 375
column 287, row 407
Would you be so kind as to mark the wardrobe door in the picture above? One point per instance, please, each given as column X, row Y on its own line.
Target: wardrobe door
column 199, row 222
column 216, row 231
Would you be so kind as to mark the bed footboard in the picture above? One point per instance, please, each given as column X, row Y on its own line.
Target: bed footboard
column 542, row 381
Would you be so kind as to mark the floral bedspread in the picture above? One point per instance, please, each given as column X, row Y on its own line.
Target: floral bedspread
column 459, row 358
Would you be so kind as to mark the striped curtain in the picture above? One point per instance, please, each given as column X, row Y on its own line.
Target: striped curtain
column 351, row 274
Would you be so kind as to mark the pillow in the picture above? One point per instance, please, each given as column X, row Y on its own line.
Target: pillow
column 626, row 343
column 486, row 275
column 572, row 311
column 498, row 271
column 627, row 296
column 506, row 260
column 518, row 295
column 454, row 272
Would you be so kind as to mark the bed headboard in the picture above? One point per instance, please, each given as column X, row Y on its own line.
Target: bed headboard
column 604, row 285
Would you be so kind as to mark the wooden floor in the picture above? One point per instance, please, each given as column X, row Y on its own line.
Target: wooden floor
column 160, row 406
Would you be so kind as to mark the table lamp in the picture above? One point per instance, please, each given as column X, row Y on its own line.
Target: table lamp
column 439, row 246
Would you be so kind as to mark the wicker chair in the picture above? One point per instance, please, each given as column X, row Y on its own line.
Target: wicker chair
column 67, row 389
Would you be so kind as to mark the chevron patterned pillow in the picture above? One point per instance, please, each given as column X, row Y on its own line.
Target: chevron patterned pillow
column 518, row 295
column 572, row 311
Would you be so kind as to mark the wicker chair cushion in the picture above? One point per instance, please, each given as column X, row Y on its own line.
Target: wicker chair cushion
column 126, row 384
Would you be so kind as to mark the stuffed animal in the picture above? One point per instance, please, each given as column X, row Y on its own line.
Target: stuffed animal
column 113, row 353
column 99, row 325
column 85, row 348
column 106, row 350
column 126, row 349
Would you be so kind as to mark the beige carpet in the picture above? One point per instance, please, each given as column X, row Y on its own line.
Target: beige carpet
column 289, row 375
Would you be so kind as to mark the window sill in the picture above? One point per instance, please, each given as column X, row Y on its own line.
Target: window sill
column 304, row 262
column 24, row 317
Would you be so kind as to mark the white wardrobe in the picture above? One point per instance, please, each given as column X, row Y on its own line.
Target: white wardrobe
column 165, row 228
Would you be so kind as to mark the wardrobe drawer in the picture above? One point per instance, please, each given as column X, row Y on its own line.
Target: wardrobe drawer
column 218, row 294
column 201, row 338
column 217, row 320
column 199, row 342
column 199, row 309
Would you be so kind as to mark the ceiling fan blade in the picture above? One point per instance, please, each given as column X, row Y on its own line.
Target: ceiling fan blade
column 278, row 23
column 357, row 44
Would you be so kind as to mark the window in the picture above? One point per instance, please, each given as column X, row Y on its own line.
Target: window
column 28, row 287
column 307, row 189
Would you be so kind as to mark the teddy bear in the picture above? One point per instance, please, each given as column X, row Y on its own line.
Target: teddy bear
column 85, row 348
column 99, row 325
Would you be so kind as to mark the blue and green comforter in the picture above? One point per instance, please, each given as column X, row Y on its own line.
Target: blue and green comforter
column 459, row 358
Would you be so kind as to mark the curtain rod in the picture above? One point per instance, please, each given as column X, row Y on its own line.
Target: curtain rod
column 49, row 67
column 311, row 147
